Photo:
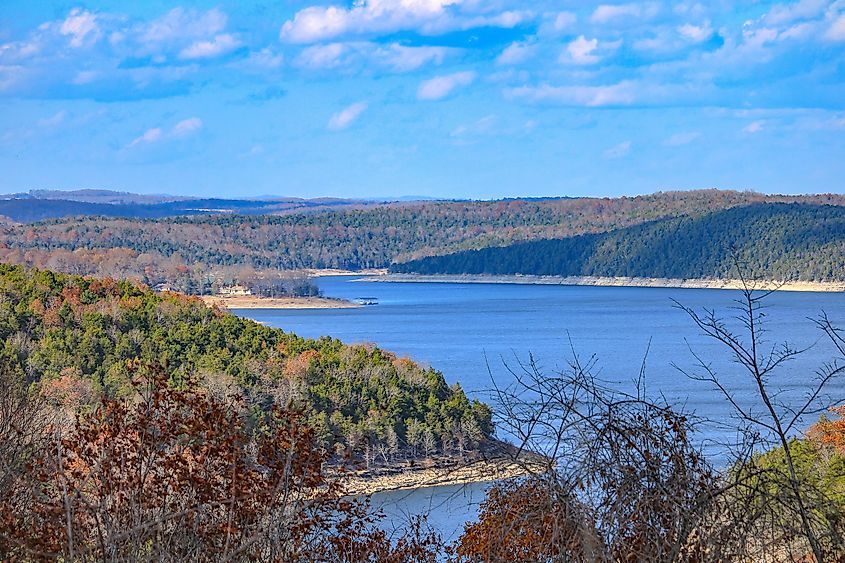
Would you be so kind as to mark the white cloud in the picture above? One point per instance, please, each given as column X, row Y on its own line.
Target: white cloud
column 20, row 49
column 836, row 123
column 564, row 21
column 618, row 151
column 753, row 127
column 679, row 139
column 506, row 20
column 321, row 56
column 79, row 25
column 608, row 12
column 254, row 151
column 822, row 121
column 265, row 58
column 318, row 23
column 508, row 76
column 836, row 31
column 481, row 127
column 149, row 136
column 352, row 55
column 116, row 38
column 208, row 49
column 621, row 93
column 515, row 53
column 688, row 9
column 660, row 42
column 10, row 75
column 180, row 130
column 441, row 86
column 581, row 51
column 53, row 120
column 696, row 33
column 85, row 77
column 322, row 23
column 345, row 117
column 786, row 13
column 798, row 31
column 403, row 59
column 187, row 126
column 180, row 24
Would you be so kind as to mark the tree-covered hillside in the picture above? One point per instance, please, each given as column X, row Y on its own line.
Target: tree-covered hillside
column 75, row 337
column 779, row 241
column 192, row 253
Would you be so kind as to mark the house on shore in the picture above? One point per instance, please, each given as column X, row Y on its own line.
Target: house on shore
column 235, row 290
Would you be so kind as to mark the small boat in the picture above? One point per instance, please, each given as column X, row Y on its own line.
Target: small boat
column 366, row 300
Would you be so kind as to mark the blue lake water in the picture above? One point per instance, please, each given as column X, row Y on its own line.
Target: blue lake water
column 462, row 329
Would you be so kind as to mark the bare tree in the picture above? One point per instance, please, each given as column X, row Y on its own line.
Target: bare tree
column 769, row 420
column 618, row 471
column 617, row 476
column 22, row 427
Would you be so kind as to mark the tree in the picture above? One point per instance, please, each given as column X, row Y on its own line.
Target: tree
column 175, row 474
column 615, row 476
column 530, row 520
column 779, row 495
column 429, row 443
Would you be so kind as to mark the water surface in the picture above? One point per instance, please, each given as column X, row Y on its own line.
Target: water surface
column 468, row 331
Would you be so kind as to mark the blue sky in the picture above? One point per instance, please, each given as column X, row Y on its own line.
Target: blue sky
column 445, row 98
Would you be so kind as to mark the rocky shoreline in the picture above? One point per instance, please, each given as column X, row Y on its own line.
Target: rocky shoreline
column 437, row 474
column 607, row 282
column 256, row 302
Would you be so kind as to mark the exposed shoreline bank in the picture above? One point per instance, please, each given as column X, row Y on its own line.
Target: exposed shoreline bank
column 257, row 302
column 420, row 477
column 339, row 272
column 828, row 287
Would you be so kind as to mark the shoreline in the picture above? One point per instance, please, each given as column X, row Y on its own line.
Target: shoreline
column 801, row 286
column 339, row 272
column 258, row 302
column 406, row 478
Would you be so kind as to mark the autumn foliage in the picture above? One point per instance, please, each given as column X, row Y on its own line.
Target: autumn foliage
column 527, row 521
column 830, row 432
column 174, row 474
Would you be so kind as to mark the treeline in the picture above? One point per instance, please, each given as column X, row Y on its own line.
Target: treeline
column 347, row 239
column 779, row 241
column 76, row 339
column 170, row 272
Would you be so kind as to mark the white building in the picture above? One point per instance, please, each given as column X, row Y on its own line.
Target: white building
column 235, row 290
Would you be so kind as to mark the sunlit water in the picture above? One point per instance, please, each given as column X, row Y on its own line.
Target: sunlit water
column 468, row 331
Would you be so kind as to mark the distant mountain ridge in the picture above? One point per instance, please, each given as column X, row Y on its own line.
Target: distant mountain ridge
column 40, row 205
column 89, row 195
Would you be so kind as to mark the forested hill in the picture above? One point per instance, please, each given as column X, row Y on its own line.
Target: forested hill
column 156, row 249
column 74, row 339
column 778, row 241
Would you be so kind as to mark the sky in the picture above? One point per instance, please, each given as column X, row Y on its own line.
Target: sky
column 438, row 98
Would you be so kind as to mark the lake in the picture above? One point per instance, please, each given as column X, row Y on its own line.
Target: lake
column 464, row 329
